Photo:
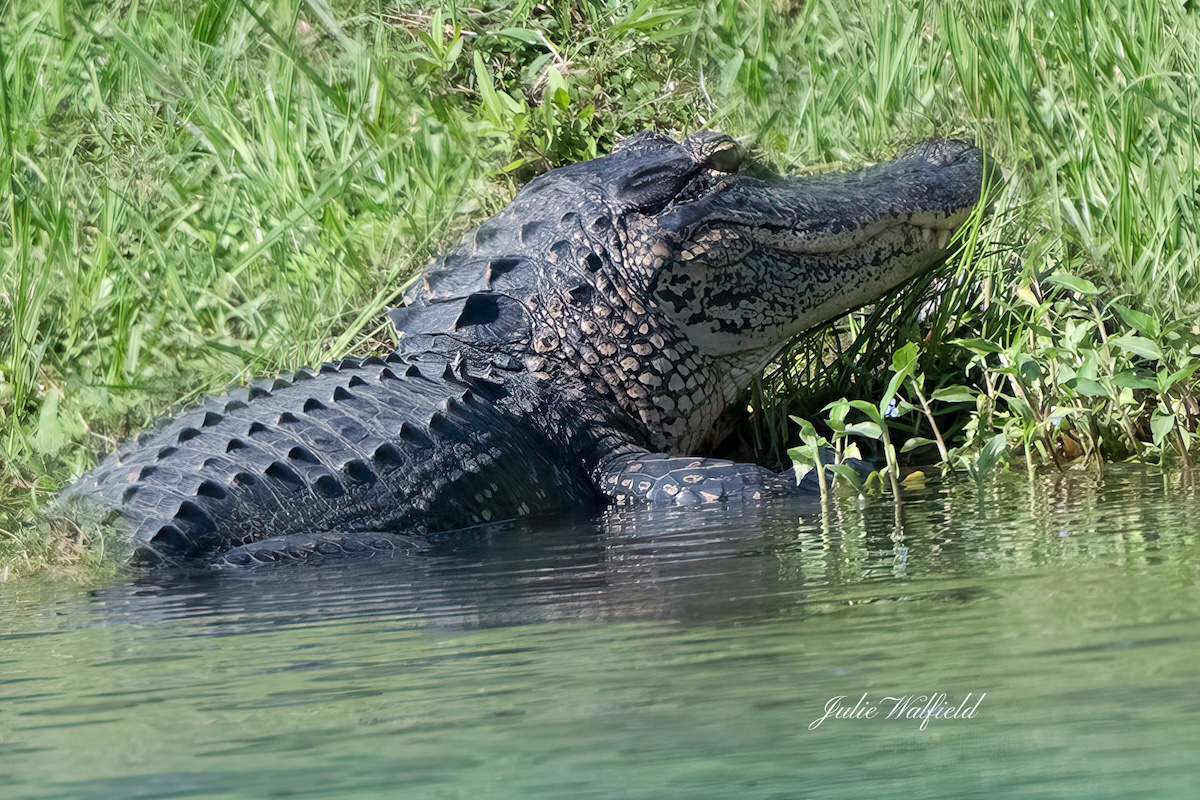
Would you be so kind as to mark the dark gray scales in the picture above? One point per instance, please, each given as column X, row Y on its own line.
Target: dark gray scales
column 581, row 347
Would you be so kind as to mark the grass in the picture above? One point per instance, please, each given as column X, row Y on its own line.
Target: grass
column 194, row 193
column 1092, row 107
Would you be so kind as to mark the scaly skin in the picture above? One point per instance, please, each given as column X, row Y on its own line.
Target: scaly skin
column 580, row 347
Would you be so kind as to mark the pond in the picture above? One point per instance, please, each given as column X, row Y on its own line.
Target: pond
column 1054, row 621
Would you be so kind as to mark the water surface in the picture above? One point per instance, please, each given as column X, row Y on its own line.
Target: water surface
column 650, row 654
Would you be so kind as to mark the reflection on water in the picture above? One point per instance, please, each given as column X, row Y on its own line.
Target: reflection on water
column 652, row 653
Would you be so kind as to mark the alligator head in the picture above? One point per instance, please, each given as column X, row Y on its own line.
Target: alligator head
column 742, row 260
column 666, row 275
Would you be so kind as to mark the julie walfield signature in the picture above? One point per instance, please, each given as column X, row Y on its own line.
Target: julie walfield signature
column 908, row 706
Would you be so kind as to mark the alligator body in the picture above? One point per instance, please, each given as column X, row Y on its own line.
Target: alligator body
column 581, row 347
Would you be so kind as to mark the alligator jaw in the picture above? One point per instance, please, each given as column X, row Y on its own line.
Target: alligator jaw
column 937, row 235
column 933, row 230
column 757, row 261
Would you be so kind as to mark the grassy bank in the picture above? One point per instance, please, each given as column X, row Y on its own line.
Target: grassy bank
column 193, row 193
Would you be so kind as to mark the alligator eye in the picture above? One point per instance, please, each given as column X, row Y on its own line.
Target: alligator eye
column 715, row 150
column 727, row 159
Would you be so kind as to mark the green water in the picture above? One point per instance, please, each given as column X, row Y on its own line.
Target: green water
column 647, row 655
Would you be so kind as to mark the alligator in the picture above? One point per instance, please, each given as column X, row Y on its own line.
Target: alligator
column 583, row 346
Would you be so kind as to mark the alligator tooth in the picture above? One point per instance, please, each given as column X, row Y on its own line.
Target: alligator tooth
column 926, row 235
column 943, row 238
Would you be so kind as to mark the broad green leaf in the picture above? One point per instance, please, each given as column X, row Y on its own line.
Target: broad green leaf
column 1029, row 369
column 521, row 35
column 991, row 455
column 1138, row 345
column 1075, row 284
column 1065, row 373
column 1020, row 408
column 892, row 387
column 904, row 360
column 455, row 50
column 849, row 475
column 487, row 90
column 1086, row 387
column 534, row 69
column 979, row 346
column 838, row 410
column 915, row 442
column 868, row 408
column 1140, row 321
column 730, row 70
column 1025, row 295
column 956, row 393
column 1161, row 426
column 1088, row 366
column 656, row 23
column 556, row 88
column 1129, row 379
column 808, row 434
column 53, row 429
column 1178, row 375
column 802, row 457
column 869, row 429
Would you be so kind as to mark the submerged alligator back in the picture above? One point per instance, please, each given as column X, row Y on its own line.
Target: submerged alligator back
column 405, row 444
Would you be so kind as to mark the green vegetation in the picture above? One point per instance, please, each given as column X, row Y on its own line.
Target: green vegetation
column 1068, row 333
column 193, row 193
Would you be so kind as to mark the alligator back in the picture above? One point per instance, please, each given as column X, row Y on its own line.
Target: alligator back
column 402, row 444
